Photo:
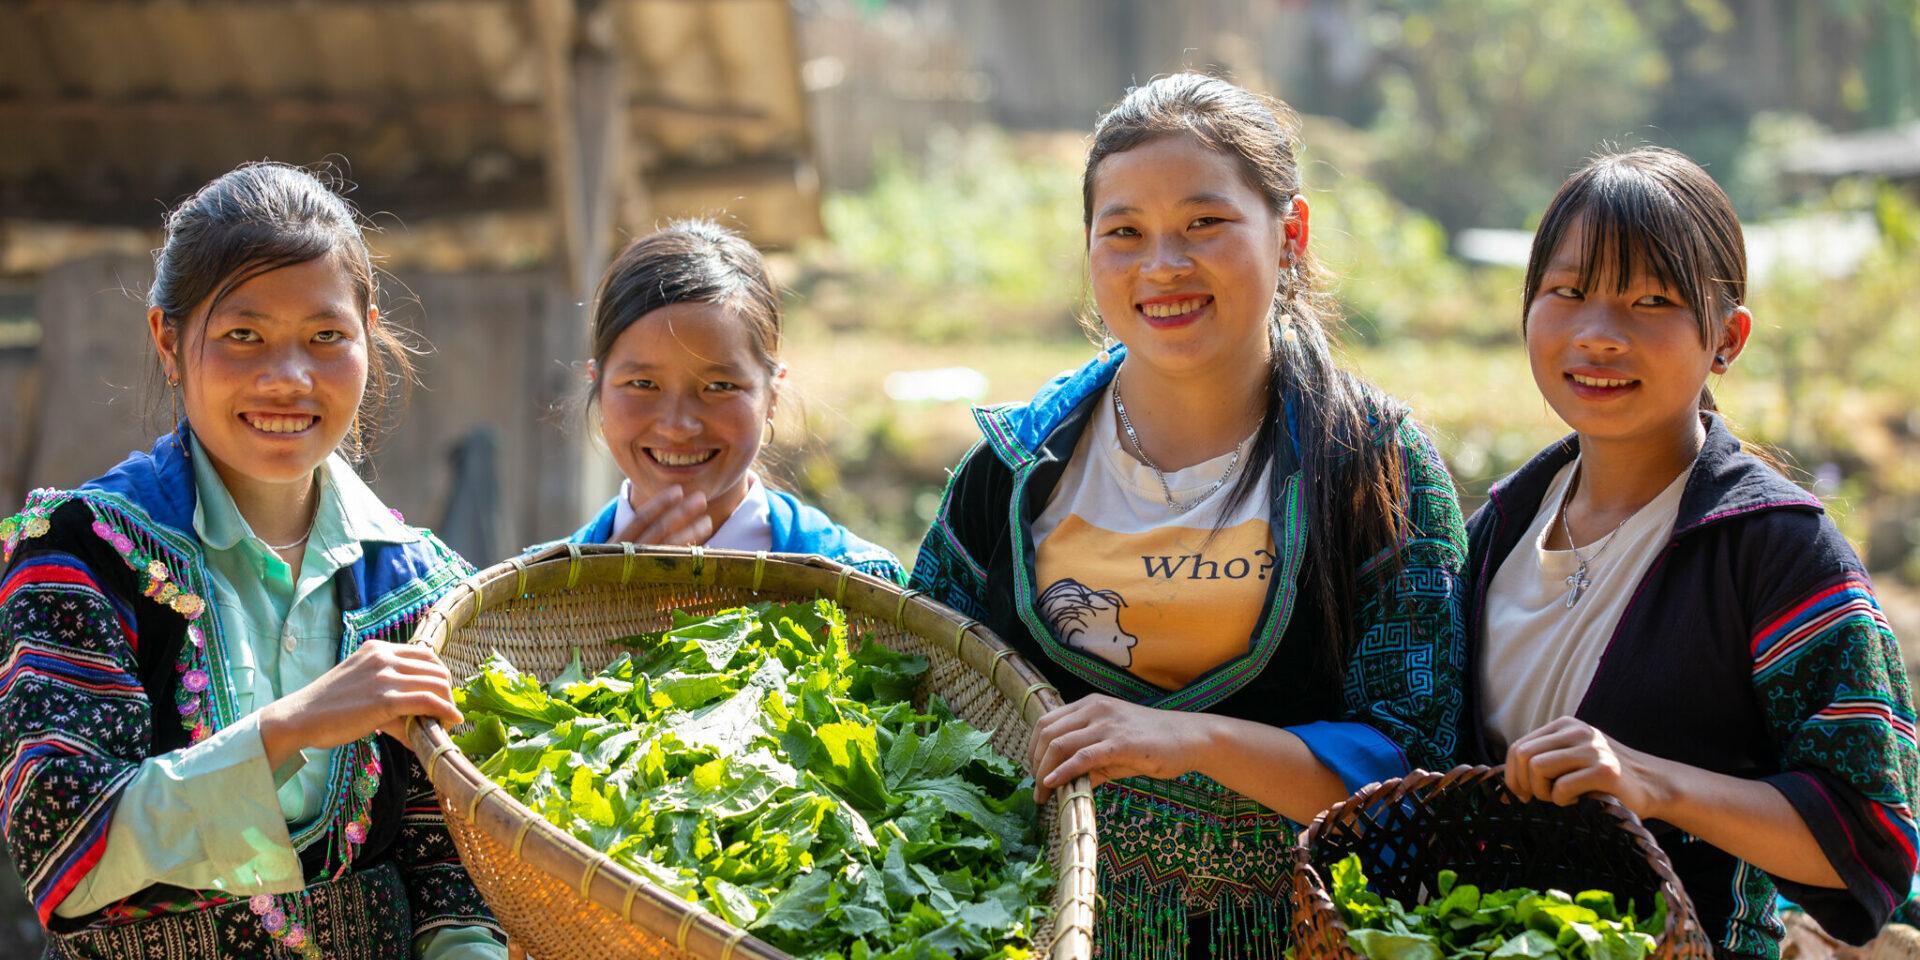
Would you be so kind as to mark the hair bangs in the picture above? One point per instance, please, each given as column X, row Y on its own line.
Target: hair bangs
column 1635, row 225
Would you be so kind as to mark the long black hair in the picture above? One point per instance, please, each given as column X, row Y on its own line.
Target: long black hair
column 260, row 217
column 1354, row 477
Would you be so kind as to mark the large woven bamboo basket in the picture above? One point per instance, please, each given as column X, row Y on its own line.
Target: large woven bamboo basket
column 559, row 899
column 1465, row 820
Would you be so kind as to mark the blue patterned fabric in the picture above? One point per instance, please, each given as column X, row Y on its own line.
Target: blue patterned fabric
column 90, row 689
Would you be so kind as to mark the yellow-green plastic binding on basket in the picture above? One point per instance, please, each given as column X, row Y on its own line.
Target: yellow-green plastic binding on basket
column 560, row 900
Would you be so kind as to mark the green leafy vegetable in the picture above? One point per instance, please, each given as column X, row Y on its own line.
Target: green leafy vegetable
column 1459, row 922
column 756, row 763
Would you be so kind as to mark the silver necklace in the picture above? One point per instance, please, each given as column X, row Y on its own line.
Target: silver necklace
column 289, row 546
column 1166, row 489
column 1578, row 581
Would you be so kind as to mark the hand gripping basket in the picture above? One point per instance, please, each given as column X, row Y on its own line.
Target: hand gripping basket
column 1407, row 830
column 559, row 899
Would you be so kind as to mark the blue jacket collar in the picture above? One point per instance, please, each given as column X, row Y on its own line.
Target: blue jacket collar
column 600, row 528
column 1015, row 431
column 160, row 483
column 797, row 528
column 1724, row 481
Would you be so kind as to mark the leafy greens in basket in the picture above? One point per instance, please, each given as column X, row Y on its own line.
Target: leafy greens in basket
column 755, row 763
column 1460, row 922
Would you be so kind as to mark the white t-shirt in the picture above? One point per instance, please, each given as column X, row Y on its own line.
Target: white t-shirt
column 1128, row 579
column 1539, row 655
column 749, row 527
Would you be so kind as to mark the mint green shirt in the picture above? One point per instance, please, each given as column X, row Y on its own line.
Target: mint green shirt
column 212, row 816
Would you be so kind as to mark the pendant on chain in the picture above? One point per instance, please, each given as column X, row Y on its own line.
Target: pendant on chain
column 1577, row 583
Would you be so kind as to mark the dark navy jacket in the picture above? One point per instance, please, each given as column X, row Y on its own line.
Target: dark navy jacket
column 1754, row 648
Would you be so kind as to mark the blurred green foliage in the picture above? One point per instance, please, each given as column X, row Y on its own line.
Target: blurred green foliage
column 976, row 238
column 1478, row 112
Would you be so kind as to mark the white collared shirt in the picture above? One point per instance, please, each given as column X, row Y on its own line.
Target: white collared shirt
column 749, row 527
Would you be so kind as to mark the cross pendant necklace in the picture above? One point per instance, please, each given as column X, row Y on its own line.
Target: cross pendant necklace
column 1579, row 580
column 1577, row 583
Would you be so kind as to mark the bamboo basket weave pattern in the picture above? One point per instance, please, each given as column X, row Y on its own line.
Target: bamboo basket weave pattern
column 561, row 900
column 1407, row 830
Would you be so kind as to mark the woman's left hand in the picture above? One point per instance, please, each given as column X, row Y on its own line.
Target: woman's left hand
column 1105, row 738
column 1568, row 759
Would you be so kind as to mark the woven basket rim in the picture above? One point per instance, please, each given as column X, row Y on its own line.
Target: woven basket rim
column 607, row 883
column 1681, row 920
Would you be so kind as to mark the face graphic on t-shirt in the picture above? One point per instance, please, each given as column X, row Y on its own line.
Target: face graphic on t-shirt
column 1088, row 620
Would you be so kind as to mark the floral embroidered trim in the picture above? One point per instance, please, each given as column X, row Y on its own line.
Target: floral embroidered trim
column 199, row 699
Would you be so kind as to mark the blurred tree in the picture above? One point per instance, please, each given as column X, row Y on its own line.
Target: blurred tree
column 1837, row 64
column 1486, row 106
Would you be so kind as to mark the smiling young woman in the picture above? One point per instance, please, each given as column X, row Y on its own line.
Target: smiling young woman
column 1236, row 561
column 1661, row 616
column 684, row 381
column 206, row 644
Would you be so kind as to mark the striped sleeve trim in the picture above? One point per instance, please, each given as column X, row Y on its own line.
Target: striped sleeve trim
column 61, row 571
column 1785, row 637
column 94, row 673
column 1901, row 833
column 84, row 845
column 1872, row 710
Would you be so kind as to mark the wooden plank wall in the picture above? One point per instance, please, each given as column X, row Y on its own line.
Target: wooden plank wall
column 1059, row 65
column 98, row 381
column 483, row 371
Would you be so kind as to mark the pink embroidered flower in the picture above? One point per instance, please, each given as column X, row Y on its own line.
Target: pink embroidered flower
column 260, row 903
column 274, row 920
column 194, row 680
column 188, row 706
column 199, row 732
column 397, row 515
column 199, row 642
column 101, row 530
column 356, row 833
column 121, row 544
column 296, row 936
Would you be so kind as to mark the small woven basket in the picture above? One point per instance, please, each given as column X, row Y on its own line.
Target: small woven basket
column 1407, row 830
column 559, row 899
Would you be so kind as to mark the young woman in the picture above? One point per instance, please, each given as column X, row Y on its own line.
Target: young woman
column 686, row 374
column 1237, row 562
column 1661, row 616
column 205, row 644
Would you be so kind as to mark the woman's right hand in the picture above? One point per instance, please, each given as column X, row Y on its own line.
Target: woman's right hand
column 672, row 517
column 377, row 687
